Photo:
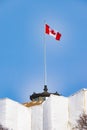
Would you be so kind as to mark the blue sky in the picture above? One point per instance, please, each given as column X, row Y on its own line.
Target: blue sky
column 22, row 47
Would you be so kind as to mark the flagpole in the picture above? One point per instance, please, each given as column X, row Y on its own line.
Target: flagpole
column 57, row 35
column 45, row 64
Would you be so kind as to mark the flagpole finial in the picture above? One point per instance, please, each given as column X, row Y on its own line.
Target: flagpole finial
column 45, row 88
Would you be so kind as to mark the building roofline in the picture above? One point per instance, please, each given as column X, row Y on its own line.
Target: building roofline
column 83, row 89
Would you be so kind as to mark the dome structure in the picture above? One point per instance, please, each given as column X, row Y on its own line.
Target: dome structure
column 43, row 95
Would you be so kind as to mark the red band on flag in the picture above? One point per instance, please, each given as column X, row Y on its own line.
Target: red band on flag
column 58, row 36
column 47, row 29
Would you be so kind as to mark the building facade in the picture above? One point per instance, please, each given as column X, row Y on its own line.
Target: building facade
column 54, row 113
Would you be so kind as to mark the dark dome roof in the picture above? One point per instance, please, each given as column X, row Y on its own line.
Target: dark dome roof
column 45, row 93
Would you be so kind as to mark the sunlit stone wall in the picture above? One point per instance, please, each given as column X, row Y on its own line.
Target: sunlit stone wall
column 14, row 115
column 77, row 106
column 55, row 113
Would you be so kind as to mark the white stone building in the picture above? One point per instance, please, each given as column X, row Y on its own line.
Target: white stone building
column 53, row 113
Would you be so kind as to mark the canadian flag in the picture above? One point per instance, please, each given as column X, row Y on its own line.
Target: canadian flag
column 51, row 32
